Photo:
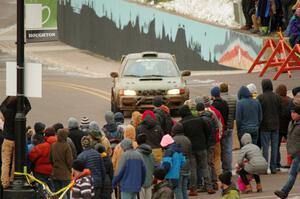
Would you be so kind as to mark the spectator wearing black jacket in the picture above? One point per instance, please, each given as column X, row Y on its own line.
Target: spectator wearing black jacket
column 271, row 109
column 75, row 133
column 8, row 109
column 197, row 130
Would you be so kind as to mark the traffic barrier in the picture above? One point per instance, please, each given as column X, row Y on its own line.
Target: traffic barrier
column 282, row 56
column 292, row 62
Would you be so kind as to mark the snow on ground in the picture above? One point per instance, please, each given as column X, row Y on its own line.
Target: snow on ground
column 213, row 11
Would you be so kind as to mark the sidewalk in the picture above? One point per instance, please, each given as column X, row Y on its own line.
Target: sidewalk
column 62, row 57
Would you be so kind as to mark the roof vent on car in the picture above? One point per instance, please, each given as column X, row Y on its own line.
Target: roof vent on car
column 150, row 54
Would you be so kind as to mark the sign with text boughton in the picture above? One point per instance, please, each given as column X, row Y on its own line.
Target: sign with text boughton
column 41, row 20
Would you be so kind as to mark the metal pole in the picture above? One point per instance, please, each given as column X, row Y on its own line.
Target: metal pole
column 19, row 188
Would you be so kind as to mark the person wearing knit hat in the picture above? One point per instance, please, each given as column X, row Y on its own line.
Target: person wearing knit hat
column 84, row 124
column 50, row 131
column 131, row 171
column 166, row 141
column 119, row 118
column 94, row 162
column 223, row 87
column 75, row 134
column 39, row 127
column 73, row 123
column 215, row 91
column 97, row 137
column 173, row 159
column 253, row 90
column 185, row 144
column 158, row 101
column 228, row 189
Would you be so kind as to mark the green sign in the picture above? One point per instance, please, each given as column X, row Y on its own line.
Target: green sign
column 41, row 20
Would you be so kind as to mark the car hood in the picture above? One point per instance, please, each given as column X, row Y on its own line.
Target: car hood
column 153, row 83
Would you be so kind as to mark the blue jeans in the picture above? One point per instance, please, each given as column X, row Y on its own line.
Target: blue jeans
column 58, row 184
column 128, row 195
column 226, row 151
column 292, row 175
column 265, row 138
column 182, row 187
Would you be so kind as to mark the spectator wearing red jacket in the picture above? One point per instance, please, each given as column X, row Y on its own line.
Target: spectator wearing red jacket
column 40, row 156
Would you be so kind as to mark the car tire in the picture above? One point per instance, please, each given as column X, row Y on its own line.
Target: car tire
column 114, row 107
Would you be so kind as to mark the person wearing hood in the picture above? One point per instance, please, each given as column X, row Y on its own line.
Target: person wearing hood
column 293, row 148
column 146, row 152
column 119, row 119
column 129, row 133
column 186, row 146
column 96, row 136
column 251, row 161
column 136, row 119
column 162, row 189
column 197, row 130
column 93, row 161
column 40, row 156
column 281, row 90
column 83, row 186
column 61, row 159
column 153, row 132
column 58, row 126
column 248, row 114
column 269, row 127
column 111, row 131
column 131, row 172
column 107, row 188
column 229, row 191
column 75, row 134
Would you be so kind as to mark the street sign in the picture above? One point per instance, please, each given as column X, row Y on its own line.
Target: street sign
column 33, row 79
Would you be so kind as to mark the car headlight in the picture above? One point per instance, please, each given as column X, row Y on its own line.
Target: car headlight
column 123, row 92
column 173, row 91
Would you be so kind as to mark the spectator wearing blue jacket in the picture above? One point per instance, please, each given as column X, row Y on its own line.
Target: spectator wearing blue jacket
column 94, row 162
column 173, row 160
column 131, row 172
column 248, row 114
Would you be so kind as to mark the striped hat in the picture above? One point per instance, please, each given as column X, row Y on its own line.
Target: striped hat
column 84, row 121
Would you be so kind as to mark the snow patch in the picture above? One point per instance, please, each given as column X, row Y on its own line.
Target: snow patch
column 220, row 12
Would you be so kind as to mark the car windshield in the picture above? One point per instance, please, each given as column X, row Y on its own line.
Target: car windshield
column 150, row 68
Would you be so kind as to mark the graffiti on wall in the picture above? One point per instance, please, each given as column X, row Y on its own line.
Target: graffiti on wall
column 117, row 27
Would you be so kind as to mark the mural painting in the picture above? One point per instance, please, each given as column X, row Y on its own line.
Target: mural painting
column 113, row 28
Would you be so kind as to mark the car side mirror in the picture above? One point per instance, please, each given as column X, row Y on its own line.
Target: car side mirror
column 185, row 73
column 114, row 74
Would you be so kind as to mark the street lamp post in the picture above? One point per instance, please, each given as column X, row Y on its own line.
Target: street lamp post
column 20, row 188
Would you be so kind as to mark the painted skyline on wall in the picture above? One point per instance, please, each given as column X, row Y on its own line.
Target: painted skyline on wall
column 137, row 22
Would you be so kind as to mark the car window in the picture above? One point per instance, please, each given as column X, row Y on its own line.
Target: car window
column 152, row 67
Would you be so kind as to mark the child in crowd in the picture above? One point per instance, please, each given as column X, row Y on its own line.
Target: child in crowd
column 163, row 189
column 173, row 159
column 229, row 191
column 83, row 187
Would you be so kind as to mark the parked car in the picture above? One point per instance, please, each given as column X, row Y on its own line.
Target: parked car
column 142, row 76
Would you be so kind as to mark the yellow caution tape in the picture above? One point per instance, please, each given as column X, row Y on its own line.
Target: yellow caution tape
column 30, row 178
